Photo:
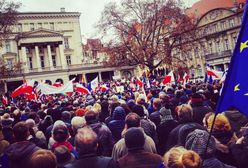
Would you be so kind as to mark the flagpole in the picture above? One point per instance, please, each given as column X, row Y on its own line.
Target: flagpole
column 209, row 137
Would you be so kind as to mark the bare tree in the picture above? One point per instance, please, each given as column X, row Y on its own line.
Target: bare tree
column 144, row 32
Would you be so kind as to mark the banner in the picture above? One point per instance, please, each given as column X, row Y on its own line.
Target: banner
column 48, row 89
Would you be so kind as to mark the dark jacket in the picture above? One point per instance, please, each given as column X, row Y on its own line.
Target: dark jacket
column 223, row 142
column 140, row 158
column 214, row 163
column 117, row 124
column 237, row 120
column 105, row 139
column 240, row 154
column 199, row 112
column 92, row 161
column 163, row 131
column 19, row 153
column 179, row 134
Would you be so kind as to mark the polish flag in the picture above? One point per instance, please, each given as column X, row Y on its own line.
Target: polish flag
column 185, row 79
column 169, row 78
column 103, row 88
column 26, row 87
column 81, row 89
column 31, row 96
column 215, row 74
column 57, row 84
column 139, row 82
column 5, row 100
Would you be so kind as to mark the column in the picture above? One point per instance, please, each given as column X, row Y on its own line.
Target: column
column 100, row 76
column 62, row 57
column 38, row 58
column 50, row 57
column 24, row 60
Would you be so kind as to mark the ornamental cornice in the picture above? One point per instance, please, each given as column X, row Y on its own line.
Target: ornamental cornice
column 34, row 15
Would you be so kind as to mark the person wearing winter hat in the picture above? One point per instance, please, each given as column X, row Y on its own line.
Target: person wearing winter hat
column 105, row 141
column 199, row 110
column 197, row 141
column 186, row 125
column 240, row 150
column 137, row 156
column 225, row 137
column 116, row 125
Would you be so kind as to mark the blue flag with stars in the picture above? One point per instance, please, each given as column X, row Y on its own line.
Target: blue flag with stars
column 235, row 90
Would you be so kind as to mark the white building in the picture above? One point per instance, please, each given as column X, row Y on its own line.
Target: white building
column 46, row 43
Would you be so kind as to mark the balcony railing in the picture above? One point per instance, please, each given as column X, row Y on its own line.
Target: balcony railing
column 227, row 53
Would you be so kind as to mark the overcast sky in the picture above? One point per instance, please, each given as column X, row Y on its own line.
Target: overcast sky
column 90, row 10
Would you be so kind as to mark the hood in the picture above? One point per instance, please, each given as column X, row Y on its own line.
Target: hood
column 119, row 113
column 20, row 150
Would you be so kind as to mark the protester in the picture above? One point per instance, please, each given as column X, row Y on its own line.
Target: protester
column 137, row 156
column 120, row 149
column 43, row 159
column 179, row 157
column 86, row 145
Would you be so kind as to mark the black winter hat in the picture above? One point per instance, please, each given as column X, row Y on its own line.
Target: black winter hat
column 134, row 139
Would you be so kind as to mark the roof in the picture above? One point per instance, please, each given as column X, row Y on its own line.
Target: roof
column 29, row 15
column 203, row 6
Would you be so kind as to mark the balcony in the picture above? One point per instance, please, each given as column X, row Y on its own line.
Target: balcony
column 226, row 53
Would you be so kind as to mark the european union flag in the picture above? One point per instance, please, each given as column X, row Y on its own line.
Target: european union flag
column 235, row 90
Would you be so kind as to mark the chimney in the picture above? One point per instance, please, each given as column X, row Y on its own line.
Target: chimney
column 62, row 9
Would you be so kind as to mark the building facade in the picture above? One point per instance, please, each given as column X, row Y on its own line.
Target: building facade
column 217, row 32
column 49, row 46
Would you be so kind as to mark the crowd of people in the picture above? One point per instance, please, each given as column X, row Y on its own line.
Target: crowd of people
column 159, row 127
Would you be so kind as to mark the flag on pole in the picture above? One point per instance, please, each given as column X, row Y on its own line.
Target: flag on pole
column 185, row 79
column 104, row 88
column 26, row 87
column 215, row 74
column 94, row 83
column 81, row 89
column 235, row 90
column 169, row 78
column 5, row 100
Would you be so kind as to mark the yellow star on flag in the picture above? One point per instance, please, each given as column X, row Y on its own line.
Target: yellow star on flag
column 236, row 88
column 243, row 46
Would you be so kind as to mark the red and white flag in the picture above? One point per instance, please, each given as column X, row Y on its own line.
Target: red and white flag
column 139, row 82
column 26, row 87
column 31, row 96
column 81, row 89
column 215, row 74
column 57, row 84
column 169, row 78
column 185, row 79
column 5, row 100
column 103, row 88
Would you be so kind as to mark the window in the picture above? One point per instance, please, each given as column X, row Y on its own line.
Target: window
column 39, row 25
column 30, row 63
column 223, row 25
column 68, row 59
column 7, row 46
column 52, row 49
column 210, row 48
column 231, row 22
column 31, row 26
column 42, row 62
column 196, row 52
column 66, row 43
column 218, row 49
column 19, row 27
column 52, row 26
column 226, row 44
column 10, row 63
column 59, row 26
column 54, row 61
column 94, row 54
column 234, row 40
